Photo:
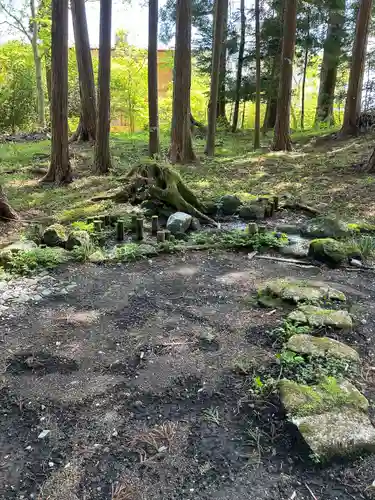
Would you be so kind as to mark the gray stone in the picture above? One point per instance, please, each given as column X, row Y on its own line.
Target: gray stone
column 46, row 292
column 325, row 227
column 340, row 433
column 298, row 248
column 321, row 346
column 318, row 317
column 179, row 222
column 55, row 235
column 20, row 246
column 195, row 224
column 77, row 239
column 229, row 204
column 98, row 257
column 254, row 211
column 293, row 290
column 333, row 252
column 288, row 229
column 147, row 250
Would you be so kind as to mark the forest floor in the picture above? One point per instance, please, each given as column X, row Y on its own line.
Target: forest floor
column 111, row 391
column 322, row 174
column 129, row 386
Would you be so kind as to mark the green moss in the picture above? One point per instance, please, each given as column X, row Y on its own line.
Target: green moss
column 303, row 400
column 333, row 252
column 362, row 227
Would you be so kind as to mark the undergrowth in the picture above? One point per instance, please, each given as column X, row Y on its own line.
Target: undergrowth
column 25, row 263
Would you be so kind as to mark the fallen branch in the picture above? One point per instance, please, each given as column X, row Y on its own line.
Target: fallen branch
column 300, row 263
column 310, row 491
column 304, row 208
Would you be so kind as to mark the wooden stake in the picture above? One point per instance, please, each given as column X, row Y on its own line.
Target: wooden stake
column 167, row 234
column 107, row 220
column 154, row 224
column 98, row 224
column 160, row 236
column 252, row 228
column 139, row 229
column 134, row 223
column 120, row 230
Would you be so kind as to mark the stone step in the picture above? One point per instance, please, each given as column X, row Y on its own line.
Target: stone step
column 321, row 346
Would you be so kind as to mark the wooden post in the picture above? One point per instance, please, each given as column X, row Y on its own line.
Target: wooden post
column 139, row 229
column 276, row 203
column 154, row 224
column 120, row 230
column 90, row 220
column 167, row 234
column 134, row 223
column 160, row 236
column 107, row 220
column 98, row 225
column 252, row 228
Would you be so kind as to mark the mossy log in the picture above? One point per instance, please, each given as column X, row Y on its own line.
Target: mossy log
column 157, row 181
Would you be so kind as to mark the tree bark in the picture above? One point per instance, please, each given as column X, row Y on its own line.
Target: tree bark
column 239, row 67
column 215, row 75
column 102, row 152
column 38, row 67
column 6, row 211
column 258, row 76
column 331, row 60
column 305, row 64
column 59, row 171
column 181, row 150
column 221, row 104
column 87, row 127
column 357, row 68
column 153, row 108
column 282, row 140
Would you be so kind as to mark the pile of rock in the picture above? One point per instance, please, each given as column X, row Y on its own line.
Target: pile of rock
column 332, row 415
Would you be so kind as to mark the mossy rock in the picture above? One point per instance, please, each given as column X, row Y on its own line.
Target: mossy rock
column 333, row 252
column 55, row 236
column 253, row 211
column 321, row 346
column 98, row 257
column 319, row 317
column 296, row 291
column 301, row 400
column 229, row 204
column 325, row 227
column 338, row 433
column 362, row 227
column 77, row 239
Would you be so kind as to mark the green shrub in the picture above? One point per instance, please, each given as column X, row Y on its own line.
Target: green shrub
column 83, row 226
column 25, row 263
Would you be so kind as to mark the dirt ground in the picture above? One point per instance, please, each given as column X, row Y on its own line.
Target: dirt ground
column 133, row 376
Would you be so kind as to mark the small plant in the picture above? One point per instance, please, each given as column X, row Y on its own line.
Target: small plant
column 366, row 245
column 263, row 388
column 212, row 416
column 34, row 232
column 25, row 263
column 83, row 252
column 290, row 359
column 288, row 329
column 83, row 226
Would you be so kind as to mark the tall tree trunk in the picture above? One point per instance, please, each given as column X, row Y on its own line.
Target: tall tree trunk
column 357, row 68
column 305, row 64
column 221, row 104
column 243, row 115
column 282, row 140
column 102, row 153
column 181, row 150
column 331, row 60
column 87, row 127
column 6, row 211
column 38, row 67
column 215, row 75
column 258, row 76
column 239, row 67
column 153, row 109
column 59, row 171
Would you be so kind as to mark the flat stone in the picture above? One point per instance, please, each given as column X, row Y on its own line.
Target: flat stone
column 301, row 400
column 21, row 246
column 321, row 346
column 298, row 247
column 296, row 291
column 338, row 433
column 179, row 222
column 316, row 317
column 325, row 227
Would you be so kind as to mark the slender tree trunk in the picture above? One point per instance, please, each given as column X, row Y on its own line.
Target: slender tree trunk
column 6, row 211
column 59, row 171
column 102, row 152
column 331, row 60
column 305, row 64
column 38, row 67
column 243, row 115
column 153, row 108
column 221, row 112
column 49, row 81
column 214, row 91
column 258, row 76
column 282, row 140
column 357, row 68
column 87, row 127
column 239, row 67
column 181, row 150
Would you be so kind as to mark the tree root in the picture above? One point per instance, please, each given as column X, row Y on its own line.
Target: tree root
column 6, row 211
column 157, row 181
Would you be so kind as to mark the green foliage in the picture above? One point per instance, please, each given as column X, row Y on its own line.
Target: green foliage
column 34, row 232
column 238, row 239
column 83, row 252
column 262, row 388
column 83, row 226
column 25, row 263
column 287, row 330
column 17, row 86
column 365, row 243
